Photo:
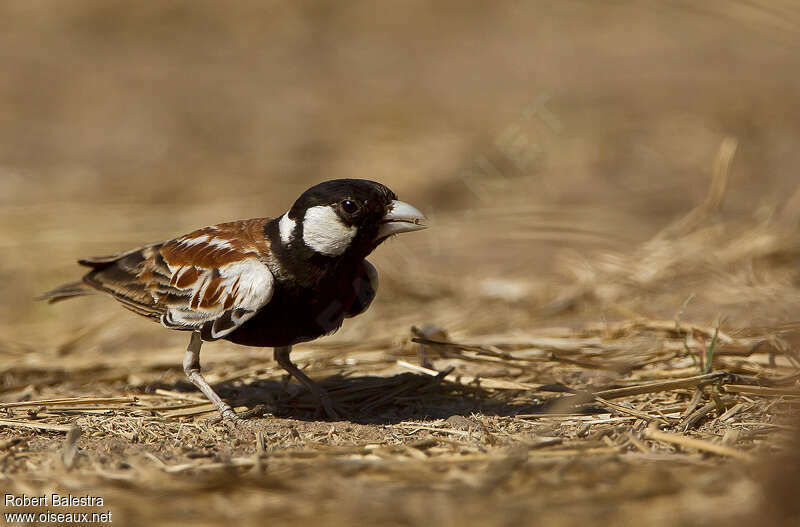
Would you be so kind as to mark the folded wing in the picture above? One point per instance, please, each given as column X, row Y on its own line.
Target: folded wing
column 212, row 280
column 366, row 286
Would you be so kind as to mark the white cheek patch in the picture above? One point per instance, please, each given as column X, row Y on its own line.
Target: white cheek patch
column 286, row 227
column 325, row 232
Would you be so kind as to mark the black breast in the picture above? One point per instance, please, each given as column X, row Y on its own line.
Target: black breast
column 296, row 315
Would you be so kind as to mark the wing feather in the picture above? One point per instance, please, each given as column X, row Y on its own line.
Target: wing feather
column 212, row 280
column 218, row 299
column 366, row 286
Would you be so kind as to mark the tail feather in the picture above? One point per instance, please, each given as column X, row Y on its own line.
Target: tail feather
column 66, row 291
column 101, row 262
column 83, row 288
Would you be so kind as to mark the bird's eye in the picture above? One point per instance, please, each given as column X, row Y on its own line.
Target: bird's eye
column 349, row 206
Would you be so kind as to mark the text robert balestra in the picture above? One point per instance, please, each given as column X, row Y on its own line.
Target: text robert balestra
column 52, row 500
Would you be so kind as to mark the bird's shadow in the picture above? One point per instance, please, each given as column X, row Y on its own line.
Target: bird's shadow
column 378, row 400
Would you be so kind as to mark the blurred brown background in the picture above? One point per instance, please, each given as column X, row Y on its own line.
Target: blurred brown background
column 524, row 127
column 551, row 143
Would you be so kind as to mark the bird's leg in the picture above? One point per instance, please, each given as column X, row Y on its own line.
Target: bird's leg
column 191, row 367
column 281, row 355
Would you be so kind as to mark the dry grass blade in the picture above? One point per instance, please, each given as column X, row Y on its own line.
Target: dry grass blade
column 70, row 448
column 698, row 444
column 630, row 411
column 692, row 419
column 716, row 191
column 70, row 401
column 761, row 390
column 621, row 329
column 732, row 411
column 414, row 427
column 34, row 425
column 661, row 386
column 234, row 463
column 180, row 395
column 197, row 409
column 492, row 384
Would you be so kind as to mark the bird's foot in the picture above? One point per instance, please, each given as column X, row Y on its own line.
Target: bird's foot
column 228, row 413
column 229, row 416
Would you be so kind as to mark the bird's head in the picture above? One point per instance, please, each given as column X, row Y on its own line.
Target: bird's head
column 347, row 217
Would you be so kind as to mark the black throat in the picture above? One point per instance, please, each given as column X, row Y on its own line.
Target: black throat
column 297, row 266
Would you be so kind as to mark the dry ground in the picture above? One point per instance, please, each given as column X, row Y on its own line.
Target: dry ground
column 608, row 295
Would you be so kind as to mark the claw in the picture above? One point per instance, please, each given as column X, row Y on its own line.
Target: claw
column 282, row 357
